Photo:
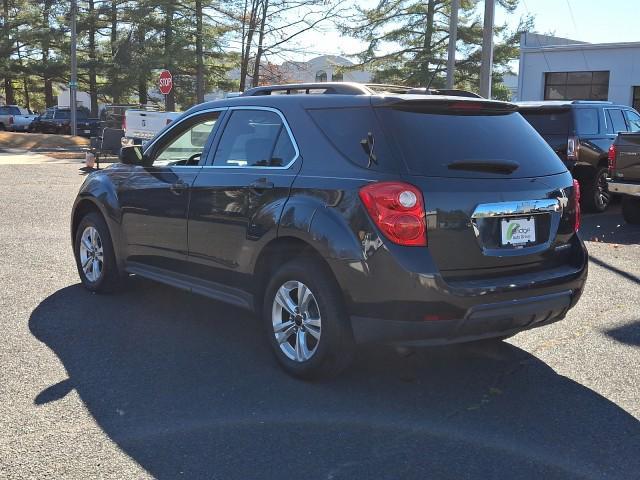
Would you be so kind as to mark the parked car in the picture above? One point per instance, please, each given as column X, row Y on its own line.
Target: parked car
column 344, row 218
column 58, row 120
column 581, row 132
column 624, row 165
column 15, row 118
column 141, row 125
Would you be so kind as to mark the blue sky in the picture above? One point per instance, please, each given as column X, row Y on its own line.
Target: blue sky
column 593, row 21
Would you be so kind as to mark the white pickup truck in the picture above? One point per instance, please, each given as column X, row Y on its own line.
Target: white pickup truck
column 143, row 125
column 15, row 119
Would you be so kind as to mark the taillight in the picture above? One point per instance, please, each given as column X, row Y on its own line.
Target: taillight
column 575, row 204
column 10, row 120
column 397, row 209
column 572, row 148
column 612, row 158
column 124, row 122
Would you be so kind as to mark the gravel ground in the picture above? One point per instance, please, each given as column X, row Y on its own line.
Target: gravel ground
column 153, row 382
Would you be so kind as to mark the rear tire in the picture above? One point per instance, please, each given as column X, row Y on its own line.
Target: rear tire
column 631, row 210
column 94, row 254
column 319, row 317
column 596, row 196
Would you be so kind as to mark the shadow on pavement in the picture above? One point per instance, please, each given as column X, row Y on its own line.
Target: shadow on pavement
column 609, row 227
column 628, row 334
column 188, row 388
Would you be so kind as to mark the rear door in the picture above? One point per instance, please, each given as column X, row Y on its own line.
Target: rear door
column 155, row 198
column 495, row 194
column 237, row 200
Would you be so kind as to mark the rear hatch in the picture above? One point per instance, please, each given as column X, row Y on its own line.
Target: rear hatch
column 553, row 124
column 627, row 157
column 496, row 196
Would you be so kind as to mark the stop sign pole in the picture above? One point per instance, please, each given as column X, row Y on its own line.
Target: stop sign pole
column 165, row 84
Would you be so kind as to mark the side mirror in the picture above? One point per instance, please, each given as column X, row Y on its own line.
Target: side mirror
column 132, row 155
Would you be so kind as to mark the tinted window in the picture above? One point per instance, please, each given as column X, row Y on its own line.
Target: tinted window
column 548, row 122
column 430, row 142
column 14, row 110
column 617, row 120
column 348, row 129
column 633, row 119
column 254, row 138
column 587, row 121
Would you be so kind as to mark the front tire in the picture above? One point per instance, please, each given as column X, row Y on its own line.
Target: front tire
column 95, row 257
column 631, row 210
column 596, row 190
column 306, row 321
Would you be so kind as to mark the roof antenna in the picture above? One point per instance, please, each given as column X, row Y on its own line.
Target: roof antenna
column 434, row 74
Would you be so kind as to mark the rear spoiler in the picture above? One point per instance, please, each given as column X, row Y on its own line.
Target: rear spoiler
column 456, row 105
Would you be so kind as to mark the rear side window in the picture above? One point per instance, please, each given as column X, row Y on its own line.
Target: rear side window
column 254, row 138
column 431, row 142
column 348, row 131
column 616, row 118
column 587, row 121
column 548, row 122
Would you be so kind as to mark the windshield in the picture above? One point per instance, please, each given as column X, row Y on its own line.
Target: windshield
column 430, row 143
column 548, row 122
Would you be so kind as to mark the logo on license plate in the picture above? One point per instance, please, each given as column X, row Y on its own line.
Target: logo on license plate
column 518, row 231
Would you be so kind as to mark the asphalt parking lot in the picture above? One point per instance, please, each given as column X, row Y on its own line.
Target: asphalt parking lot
column 153, row 382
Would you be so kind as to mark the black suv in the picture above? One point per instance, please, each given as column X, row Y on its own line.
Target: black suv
column 58, row 120
column 581, row 132
column 343, row 217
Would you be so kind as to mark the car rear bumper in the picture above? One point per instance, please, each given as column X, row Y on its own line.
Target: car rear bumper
column 390, row 302
column 624, row 188
column 481, row 321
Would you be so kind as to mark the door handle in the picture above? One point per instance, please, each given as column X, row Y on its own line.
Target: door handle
column 261, row 184
column 178, row 187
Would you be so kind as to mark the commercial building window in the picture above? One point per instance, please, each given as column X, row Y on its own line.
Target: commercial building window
column 576, row 85
column 636, row 98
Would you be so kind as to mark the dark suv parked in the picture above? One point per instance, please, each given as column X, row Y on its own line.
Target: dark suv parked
column 344, row 217
column 581, row 132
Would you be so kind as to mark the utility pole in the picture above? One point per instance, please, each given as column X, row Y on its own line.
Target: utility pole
column 486, row 66
column 73, row 84
column 453, row 37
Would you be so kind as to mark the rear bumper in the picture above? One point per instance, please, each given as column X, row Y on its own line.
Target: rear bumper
column 624, row 188
column 481, row 321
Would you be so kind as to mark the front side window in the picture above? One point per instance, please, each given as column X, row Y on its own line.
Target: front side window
column 186, row 145
column 633, row 119
column 616, row 118
column 254, row 138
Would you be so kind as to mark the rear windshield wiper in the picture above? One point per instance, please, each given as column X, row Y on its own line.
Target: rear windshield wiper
column 491, row 166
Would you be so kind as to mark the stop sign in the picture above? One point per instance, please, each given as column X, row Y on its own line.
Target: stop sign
column 165, row 82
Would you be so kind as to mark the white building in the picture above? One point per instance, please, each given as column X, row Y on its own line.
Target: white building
column 326, row 68
column 553, row 68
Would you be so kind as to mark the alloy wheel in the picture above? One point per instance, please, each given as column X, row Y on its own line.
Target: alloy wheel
column 91, row 254
column 602, row 190
column 296, row 321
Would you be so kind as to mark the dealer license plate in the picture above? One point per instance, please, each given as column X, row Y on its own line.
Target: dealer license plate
column 518, row 231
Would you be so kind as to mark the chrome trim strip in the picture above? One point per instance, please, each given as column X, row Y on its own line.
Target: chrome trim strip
column 286, row 126
column 516, row 208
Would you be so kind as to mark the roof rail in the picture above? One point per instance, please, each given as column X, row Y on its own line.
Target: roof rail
column 591, row 101
column 350, row 88
column 335, row 88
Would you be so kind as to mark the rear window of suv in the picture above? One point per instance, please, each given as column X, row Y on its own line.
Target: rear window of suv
column 549, row 122
column 430, row 142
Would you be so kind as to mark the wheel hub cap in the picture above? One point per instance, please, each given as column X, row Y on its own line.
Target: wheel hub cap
column 296, row 321
column 91, row 254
